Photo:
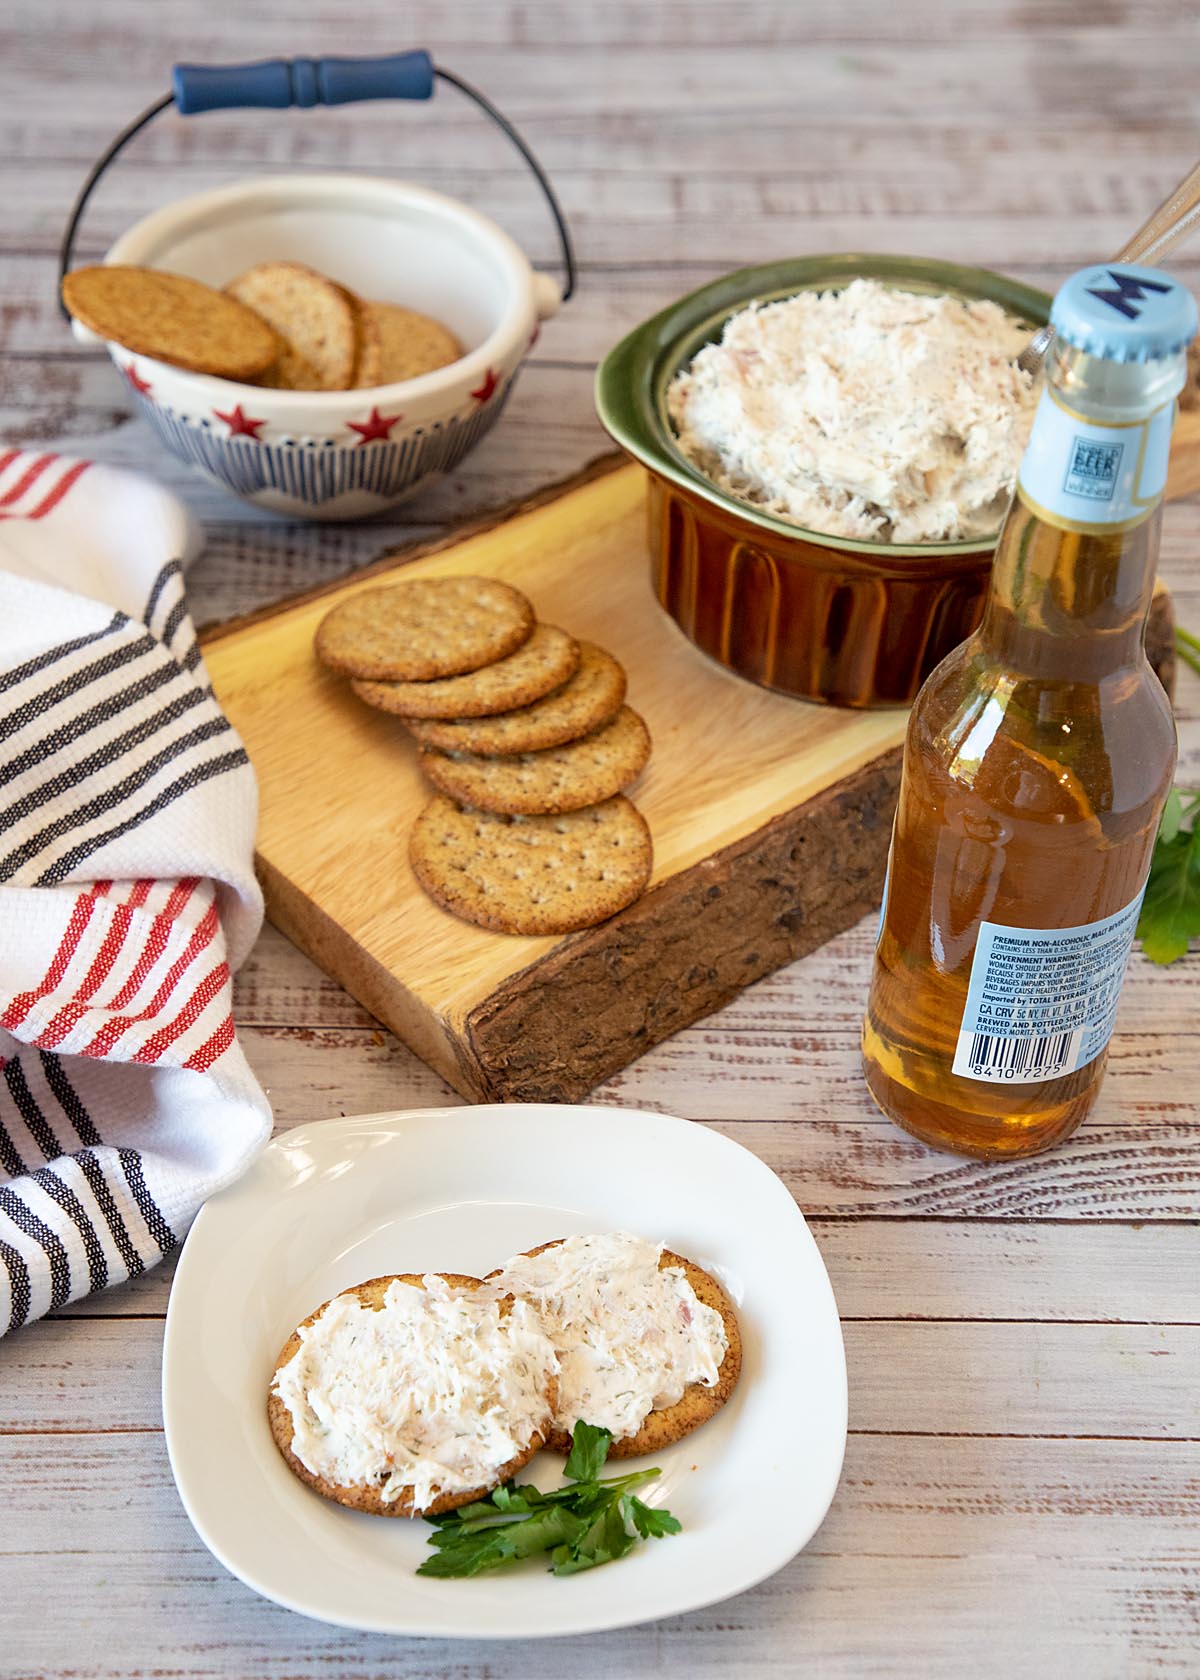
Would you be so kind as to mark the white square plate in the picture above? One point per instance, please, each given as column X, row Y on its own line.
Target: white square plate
column 461, row 1189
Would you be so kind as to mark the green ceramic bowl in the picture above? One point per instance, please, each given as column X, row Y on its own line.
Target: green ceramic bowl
column 823, row 617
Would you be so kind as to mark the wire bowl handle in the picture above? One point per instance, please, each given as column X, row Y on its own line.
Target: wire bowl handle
column 278, row 83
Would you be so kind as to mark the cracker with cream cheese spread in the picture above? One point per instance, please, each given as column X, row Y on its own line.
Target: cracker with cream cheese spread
column 699, row 1401
column 369, row 1495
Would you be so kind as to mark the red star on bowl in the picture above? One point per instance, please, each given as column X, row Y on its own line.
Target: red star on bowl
column 140, row 385
column 487, row 389
column 377, row 428
column 240, row 425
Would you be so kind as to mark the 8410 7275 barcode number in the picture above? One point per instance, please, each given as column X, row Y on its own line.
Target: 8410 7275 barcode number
column 1026, row 1059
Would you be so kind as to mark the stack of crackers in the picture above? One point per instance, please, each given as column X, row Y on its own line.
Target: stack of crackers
column 524, row 731
column 279, row 324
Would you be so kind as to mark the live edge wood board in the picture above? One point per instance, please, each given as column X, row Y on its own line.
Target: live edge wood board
column 770, row 817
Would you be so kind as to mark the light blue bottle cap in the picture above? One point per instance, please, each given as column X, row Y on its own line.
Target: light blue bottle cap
column 1124, row 313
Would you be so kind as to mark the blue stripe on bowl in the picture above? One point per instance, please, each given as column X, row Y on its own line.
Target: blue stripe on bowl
column 316, row 472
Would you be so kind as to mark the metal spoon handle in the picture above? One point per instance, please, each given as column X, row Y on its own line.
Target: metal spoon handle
column 1175, row 218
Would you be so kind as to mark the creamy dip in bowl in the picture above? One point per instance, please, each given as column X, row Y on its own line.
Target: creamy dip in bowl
column 869, row 412
column 849, row 619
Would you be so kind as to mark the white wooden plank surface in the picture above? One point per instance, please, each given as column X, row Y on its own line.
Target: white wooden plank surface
column 1022, row 1484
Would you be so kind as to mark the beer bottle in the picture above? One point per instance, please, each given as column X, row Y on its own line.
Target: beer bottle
column 1038, row 758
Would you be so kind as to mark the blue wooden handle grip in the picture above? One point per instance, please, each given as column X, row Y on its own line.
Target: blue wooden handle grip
column 280, row 82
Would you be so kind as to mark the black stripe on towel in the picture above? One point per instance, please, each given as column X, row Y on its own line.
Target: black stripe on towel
column 42, row 661
column 10, row 1157
column 101, row 1189
column 18, row 1285
column 173, row 568
column 70, row 1204
column 30, row 1112
column 68, row 1098
column 109, row 799
column 79, row 771
column 173, row 620
column 59, row 870
column 71, row 686
column 26, row 1220
column 157, row 1226
column 38, row 751
column 72, row 1105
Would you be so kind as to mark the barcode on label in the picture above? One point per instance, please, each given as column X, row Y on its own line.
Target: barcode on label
column 996, row 1057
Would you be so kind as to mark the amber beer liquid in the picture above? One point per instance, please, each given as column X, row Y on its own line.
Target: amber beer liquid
column 1038, row 758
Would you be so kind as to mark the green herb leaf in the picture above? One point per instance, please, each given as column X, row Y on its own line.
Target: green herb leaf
column 516, row 1498
column 583, row 1524
column 1170, row 916
column 652, row 1521
column 589, row 1449
column 1172, row 818
column 1188, row 647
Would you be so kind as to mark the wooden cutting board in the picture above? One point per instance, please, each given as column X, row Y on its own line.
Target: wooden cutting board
column 770, row 817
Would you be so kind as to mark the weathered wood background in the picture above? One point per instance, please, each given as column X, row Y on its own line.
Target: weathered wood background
column 1022, row 1487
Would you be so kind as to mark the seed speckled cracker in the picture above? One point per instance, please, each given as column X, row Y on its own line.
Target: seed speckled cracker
column 540, row 665
column 664, row 1426
column 363, row 1496
column 429, row 627
column 558, row 779
column 172, row 319
column 314, row 316
column 532, row 875
column 410, row 343
column 582, row 704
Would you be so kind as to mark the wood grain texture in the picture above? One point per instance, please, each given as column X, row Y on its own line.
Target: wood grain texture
column 770, row 819
column 1029, row 136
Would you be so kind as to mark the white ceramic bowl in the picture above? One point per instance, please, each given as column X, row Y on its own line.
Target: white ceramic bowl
column 340, row 454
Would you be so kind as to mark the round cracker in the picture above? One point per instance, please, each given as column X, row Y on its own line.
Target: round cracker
column 429, row 627
column 540, row 665
column 661, row 1429
column 313, row 315
column 368, row 363
column 532, row 875
column 557, row 779
column 363, row 1496
column 588, row 699
column 410, row 343
column 292, row 372
column 171, row 319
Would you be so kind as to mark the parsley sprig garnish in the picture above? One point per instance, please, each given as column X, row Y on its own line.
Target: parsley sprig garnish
column 585, row 1523
column 1170, row 917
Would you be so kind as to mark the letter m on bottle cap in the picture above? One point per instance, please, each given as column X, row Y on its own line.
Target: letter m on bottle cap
column 1126, row 313
column 1127, row 291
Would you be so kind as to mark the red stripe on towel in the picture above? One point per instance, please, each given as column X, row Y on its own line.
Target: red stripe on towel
column 205, row 992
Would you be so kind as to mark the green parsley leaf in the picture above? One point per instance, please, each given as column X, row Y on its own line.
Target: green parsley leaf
column 1188, row 647
column 1170, row 914
column 649, row 1520
column 589, row 1449
column 583, row 1524
column 1171, row 820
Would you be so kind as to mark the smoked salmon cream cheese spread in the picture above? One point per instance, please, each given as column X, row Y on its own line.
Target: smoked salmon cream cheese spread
column 434, row 1391
column 629, row 1336
column 871, row 412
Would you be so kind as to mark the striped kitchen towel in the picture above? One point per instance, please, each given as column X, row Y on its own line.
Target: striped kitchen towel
column 127, row 892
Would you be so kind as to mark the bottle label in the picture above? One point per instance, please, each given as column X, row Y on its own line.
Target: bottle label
column 1042, row 1001
column 1084, row 476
